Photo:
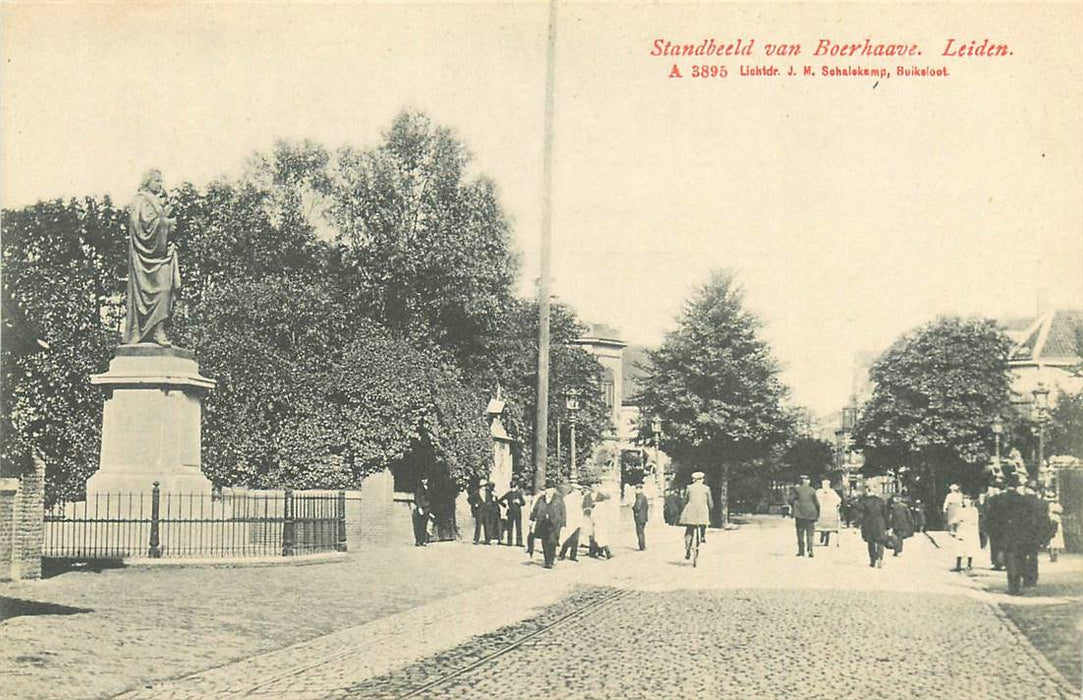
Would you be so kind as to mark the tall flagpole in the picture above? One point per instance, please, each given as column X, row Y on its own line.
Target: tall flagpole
column 541, row 422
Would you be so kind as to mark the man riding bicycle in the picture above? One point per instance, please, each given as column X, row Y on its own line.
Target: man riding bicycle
column 696, row 513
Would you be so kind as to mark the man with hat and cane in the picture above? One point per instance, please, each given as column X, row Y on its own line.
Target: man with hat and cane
column 697, row 511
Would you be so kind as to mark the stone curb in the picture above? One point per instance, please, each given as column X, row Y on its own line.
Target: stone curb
column 1031, row 650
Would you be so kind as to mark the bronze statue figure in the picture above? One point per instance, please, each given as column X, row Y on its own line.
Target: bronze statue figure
column 153, row 272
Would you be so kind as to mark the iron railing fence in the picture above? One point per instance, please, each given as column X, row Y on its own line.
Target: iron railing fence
column 232, row 524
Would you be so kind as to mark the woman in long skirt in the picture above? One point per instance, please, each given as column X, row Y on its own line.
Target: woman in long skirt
column 967, row 536
column 1056, row 544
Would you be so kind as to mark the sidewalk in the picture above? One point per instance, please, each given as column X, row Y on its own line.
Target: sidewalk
column 95, row 634
column 1050, row 615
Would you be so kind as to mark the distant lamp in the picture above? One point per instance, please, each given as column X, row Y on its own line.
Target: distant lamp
column 1041, row 396
column 998, row 428
column 1041, row 403
column 571, row 400
column 659, row 470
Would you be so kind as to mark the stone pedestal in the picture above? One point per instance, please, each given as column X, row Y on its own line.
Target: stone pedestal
column 151, row 422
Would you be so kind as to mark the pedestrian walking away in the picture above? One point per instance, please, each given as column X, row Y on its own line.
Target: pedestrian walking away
column 640, row 514
column 830, row 515
column 952, row 503
column 806, row 511
column 1056, row 543
column 872, row 516
column 967, row 538
column 1019, row 522
column 901, row 522
column 696, row 513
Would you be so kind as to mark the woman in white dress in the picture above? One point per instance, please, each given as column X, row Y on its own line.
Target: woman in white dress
column 1056, row 545
column 967, row 538
column 603, row 514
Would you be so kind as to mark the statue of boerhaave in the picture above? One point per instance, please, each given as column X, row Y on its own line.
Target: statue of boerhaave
column 153, row 273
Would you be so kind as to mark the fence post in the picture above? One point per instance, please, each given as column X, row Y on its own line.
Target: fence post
column 340, row 515
column 155, row 551
column 287, row 524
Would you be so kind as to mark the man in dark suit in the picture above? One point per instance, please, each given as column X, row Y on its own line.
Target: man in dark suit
column 480, row 510
column 513, row 500
column 640, row 513
column 422, row 513
column 1020, row 524
column 548, row 517
column 806, row 511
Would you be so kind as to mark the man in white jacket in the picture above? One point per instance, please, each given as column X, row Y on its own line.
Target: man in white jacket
column 573, row 505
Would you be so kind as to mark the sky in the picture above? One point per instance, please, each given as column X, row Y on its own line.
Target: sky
column 850, row 209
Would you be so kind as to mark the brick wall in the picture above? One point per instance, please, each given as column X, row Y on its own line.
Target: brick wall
column 9, row 491
column 22, row 524
column 378, row 518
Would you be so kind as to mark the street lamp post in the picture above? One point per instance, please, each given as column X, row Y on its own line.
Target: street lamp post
column 659, row 473
column 1041, row 403
column 571, row 402
column 998, row 428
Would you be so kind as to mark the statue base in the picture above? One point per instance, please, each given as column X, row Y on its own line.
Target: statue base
column 151, row 421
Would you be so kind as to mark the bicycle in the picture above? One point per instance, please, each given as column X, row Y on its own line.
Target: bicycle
column 693, row 544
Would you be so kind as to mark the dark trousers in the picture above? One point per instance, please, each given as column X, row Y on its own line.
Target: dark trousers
column 421, row 529
column 550, row 540
column 899, row 545
column 876, row 552
column 1015, row 559
column 689, row 531
column 484, row 522
column 641, row 535
column 571, row 544
column 1030, row 567
column 515, row 524
column 805, row 527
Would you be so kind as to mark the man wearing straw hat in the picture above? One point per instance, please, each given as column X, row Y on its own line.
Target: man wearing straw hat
column 697, row 511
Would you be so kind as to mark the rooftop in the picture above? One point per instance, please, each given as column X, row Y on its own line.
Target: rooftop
column 1056, row 336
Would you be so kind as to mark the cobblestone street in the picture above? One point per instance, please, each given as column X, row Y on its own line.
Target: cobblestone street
column 752, row 620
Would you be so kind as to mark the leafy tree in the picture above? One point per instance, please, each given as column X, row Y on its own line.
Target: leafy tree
column 62, row 263
column 427, row 250
column 514, row 369
column 310, row 393
column 807, row 455
column 1065, row 430
column 715, row 385
column 937, row 391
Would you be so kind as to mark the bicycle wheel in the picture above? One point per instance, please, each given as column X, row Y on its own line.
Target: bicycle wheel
column 695, row 548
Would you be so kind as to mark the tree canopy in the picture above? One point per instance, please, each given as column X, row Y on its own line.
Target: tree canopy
column 715, row 384
column 353, row 305
column 937, row 390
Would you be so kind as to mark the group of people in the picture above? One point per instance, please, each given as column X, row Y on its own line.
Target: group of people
column 1013, row 520
column 562, row 516
column 885, row 524
column 567, row 515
